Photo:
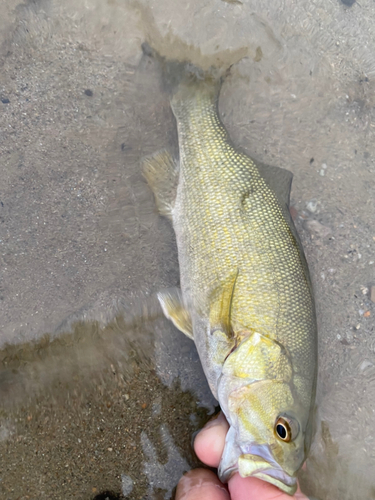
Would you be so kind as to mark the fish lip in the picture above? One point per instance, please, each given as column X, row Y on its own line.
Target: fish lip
column 287, row 484
column 267, row 470
column 257, row 461
column 273, row 475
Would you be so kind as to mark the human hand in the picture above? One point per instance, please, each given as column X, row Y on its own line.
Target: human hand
column 202, row 484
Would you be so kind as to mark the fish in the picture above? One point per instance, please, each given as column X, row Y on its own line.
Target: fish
column 245, row 295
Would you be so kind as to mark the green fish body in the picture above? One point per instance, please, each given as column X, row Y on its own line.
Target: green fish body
column 246, row 298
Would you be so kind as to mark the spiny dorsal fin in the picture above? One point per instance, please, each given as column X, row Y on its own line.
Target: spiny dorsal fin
column 279, row 180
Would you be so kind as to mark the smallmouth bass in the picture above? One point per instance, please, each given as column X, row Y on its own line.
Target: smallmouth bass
column 246, row 297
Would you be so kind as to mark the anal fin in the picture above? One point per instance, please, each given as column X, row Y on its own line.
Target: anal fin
column 161, row 173
column 175, row 310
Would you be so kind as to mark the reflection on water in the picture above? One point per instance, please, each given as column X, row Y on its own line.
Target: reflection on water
column 79, row 108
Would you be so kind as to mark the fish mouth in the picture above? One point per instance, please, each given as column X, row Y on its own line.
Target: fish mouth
column 260, row 463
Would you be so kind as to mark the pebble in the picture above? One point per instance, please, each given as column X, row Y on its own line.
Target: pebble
column 365, row 364
column 312, row 206
column 323, row 170
column 372, row 294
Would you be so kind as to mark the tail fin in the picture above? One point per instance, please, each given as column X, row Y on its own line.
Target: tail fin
column 184, row 81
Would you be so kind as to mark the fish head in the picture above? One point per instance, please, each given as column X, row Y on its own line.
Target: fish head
column 267, row 437
column 270, row 425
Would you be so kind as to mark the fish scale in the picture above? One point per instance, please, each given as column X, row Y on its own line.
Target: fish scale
column 246, row 297
column 253, row 237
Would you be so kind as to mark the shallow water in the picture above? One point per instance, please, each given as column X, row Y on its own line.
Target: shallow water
column 82, row 245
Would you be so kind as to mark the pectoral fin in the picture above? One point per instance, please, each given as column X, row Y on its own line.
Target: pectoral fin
column 161, row 173
column 174, row 309
column 221, row 306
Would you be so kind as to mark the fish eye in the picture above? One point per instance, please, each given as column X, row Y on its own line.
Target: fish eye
column 286, row 428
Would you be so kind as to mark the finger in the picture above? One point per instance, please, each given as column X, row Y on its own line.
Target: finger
column 201, row 484
column 210, row 441
column 252, row 488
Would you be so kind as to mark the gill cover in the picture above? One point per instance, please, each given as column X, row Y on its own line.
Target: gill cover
column 266, row 438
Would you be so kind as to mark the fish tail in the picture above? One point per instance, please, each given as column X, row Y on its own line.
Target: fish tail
column 196, row 88
column 187, row 83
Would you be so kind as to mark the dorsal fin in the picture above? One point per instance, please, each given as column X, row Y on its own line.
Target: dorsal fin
column 279, row 180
